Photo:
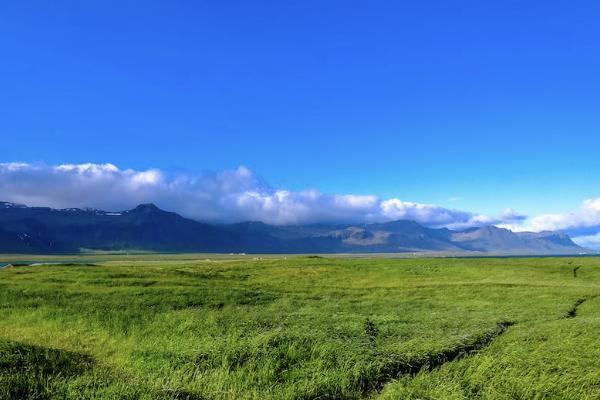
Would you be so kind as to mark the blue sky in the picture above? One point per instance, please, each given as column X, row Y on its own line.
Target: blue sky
column 471, row 105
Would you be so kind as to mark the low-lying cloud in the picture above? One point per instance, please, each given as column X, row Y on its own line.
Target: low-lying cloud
column 582, row 224
column 225, row 196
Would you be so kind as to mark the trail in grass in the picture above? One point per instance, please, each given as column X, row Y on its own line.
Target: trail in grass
column 433, row 362
column 572, row 312
column 430, row 362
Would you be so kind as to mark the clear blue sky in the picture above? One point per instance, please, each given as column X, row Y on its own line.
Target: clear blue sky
column 497, row 103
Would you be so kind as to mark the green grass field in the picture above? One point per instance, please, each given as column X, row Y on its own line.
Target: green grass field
column 185, row 327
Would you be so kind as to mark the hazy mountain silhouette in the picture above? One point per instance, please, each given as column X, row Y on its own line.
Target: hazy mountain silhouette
column 45, row 230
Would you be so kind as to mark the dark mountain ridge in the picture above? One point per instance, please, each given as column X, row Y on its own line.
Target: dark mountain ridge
column 46, row 230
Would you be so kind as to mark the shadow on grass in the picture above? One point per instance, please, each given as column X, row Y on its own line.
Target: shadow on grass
column 30, row 372
column 33, row 372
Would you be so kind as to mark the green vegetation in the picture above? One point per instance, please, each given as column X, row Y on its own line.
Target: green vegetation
column 189, row 327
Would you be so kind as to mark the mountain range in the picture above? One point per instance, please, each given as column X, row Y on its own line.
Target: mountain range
column 146, row 227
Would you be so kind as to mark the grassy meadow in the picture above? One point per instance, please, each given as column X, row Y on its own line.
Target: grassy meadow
column 208, row 327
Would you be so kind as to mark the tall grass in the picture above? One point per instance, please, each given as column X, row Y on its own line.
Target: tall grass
column 299, row 328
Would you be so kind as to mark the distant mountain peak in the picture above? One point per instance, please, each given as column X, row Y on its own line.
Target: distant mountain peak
column 146, row 208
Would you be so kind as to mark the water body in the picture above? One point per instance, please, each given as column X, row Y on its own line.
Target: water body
column 4, row 264
column 20, row 262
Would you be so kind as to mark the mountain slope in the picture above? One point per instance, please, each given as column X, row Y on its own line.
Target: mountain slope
column 146, row 227
column 498, row 240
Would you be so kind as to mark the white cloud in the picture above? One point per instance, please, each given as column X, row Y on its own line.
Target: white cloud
column 393, row 209
column 587, row 216
column 583, row 224
column 226, row 196
column 90, row 169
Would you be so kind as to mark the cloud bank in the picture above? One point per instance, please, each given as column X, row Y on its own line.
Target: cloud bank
column 226, row 196
column 582, row 224
column 239, row 195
